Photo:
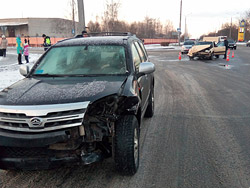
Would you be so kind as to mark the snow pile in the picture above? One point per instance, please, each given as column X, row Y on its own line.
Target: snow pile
column 159, row 47
column 9, row 73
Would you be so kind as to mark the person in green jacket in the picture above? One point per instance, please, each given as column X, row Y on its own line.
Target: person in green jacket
column 19, row 49
column 46, row 42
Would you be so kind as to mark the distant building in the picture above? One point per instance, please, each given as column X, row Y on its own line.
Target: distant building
column 34, row 27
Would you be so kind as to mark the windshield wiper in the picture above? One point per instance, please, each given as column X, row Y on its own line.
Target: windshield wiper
column 94, row 75
column 77, row 75
column 50, row 75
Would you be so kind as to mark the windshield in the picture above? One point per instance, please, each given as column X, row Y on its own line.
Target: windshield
column 189, row 43
column 221, row 44
column 83, row 60
column 204, row 43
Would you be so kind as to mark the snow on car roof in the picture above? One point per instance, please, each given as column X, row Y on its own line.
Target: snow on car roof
column 93, row 40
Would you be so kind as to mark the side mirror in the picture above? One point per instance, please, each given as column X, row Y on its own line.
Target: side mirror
column 24, row 70
column 146, row 68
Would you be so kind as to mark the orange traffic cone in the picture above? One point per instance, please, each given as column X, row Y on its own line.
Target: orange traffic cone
column 227, row 57
column 179, row 55
column 233, row 54
column 228, row 52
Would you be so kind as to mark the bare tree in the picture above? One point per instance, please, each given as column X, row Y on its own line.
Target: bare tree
column 94, row 26
column 71, row 13
column 168, row 29
column 247, row 36
column 110, row 17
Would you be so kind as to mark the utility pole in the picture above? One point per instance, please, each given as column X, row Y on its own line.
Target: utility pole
column 230, row 33
column 81, row 14
column 73, row 17
column 186, row 29
column 179, row 32
column 185, row 35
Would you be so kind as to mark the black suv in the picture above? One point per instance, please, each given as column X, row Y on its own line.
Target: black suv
column 232, row 44
column 81, row 102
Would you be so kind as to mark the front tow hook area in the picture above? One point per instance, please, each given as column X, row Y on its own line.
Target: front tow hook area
column 89, row 158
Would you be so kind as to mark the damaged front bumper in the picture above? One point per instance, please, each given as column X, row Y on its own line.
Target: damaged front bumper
column 44, row 151
column 33, row 151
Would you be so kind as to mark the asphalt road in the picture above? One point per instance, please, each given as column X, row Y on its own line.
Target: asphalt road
column 198, row 137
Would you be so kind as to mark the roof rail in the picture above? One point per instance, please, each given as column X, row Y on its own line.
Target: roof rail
column 110, row 34
column 65, row 39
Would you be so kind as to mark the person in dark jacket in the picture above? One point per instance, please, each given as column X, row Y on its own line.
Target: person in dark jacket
column 226, row 46
column 84, row 34
column 46, row 42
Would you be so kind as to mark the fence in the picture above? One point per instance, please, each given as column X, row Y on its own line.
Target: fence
column 159, row 41
column 34, row 41
column 38, row 41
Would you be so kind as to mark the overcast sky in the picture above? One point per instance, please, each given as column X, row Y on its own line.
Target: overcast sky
column 201, row 16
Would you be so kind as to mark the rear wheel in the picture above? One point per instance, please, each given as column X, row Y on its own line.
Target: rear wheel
column 126, row 145
column 217, row 56
column 191, row 58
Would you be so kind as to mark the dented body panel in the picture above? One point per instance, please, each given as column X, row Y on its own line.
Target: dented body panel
column 206, row 50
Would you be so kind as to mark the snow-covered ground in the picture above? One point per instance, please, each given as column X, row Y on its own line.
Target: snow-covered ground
column 241, row 43
column 158, row 46
column 9, row 69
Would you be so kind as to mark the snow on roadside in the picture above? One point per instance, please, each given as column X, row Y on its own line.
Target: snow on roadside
column 158, row 46
column 10, row 73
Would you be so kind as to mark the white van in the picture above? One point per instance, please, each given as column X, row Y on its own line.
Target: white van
column 221, row 38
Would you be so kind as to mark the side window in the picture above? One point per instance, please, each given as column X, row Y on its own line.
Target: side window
column 141, row 53
column 144, row 50
column 136, row 57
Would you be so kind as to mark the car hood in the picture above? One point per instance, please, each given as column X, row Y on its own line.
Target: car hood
column 198, row 48
column 40, row 91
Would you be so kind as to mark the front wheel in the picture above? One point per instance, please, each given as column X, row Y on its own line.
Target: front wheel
column 150, row 108
column 191, row 58
column 126, row 145
column 212, row 56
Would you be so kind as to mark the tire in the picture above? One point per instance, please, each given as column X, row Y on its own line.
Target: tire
column 126, row 145
column 212, row 56
column 235, row 48
column 217, row 56
column 191, row 58
column 150, row 108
